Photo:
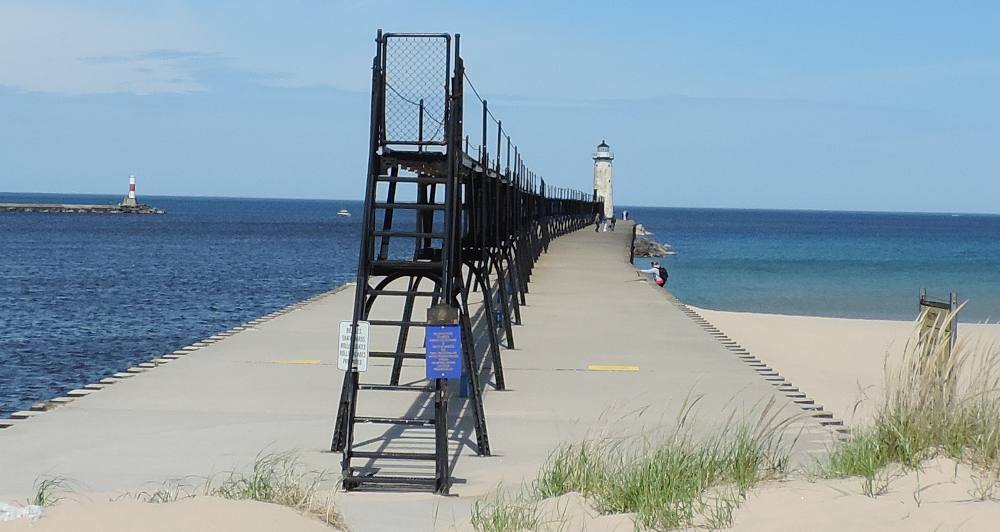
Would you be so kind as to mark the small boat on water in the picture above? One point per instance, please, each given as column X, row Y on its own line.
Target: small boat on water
column 343, row 212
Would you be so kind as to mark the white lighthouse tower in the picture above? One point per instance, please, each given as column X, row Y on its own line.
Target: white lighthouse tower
column 602, row 177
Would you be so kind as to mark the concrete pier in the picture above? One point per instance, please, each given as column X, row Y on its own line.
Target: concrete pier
column 603, row 353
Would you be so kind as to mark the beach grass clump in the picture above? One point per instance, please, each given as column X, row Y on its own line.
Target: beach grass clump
column 172, row 490
column 278, row 478
column 678, row 481
column 668, row 485
column 506, row 512
column 49, row 491
column 275, row 478
column 939, row 401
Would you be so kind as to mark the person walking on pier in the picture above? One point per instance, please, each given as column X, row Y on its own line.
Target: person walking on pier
column 659, row 271
column 611, row 223
column 598, row 221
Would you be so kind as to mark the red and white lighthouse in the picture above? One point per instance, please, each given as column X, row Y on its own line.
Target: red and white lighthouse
column 130, row 200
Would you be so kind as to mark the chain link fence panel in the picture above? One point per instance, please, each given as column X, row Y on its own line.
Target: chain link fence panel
column 416, row 69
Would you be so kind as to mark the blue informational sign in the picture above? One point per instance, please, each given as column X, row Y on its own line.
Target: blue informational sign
column 444, row 351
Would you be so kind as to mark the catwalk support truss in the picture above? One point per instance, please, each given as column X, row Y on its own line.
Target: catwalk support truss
column 451, row 234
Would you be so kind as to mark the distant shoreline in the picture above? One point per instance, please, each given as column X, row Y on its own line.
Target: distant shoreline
column 618, row 207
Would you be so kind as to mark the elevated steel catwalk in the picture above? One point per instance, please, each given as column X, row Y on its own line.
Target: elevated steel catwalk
column 438, row 223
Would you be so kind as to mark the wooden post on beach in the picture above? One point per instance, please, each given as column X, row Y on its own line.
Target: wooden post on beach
column 936, row 314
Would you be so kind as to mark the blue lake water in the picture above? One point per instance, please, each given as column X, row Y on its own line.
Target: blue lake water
column 842, row 264
column 82, row 296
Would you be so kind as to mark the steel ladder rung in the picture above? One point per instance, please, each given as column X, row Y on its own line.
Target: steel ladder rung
column 410, row 206
column 398, row 323
column 418, row 481
column 409, row 264
column 409, row 234
column 424, row 422
column 393, row 455
column 395, row 388
column 374, row 292
column 390, row 354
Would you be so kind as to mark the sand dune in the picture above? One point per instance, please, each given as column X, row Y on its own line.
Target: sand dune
column 942, row 496
column 838, row 362
column 198, row 513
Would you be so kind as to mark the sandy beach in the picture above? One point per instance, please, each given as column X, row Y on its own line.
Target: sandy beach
column 838, row 362
column 943, row 495
column 196, row 513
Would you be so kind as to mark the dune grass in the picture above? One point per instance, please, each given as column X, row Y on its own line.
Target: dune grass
column 503, row 512
column 172, row 490
column 276, row 478
column 938, row 401
column 676, row 481
column 49, row 491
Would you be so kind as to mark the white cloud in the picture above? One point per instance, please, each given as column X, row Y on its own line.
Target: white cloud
column 65, row 50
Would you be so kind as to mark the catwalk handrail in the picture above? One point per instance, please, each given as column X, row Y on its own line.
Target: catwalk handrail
column 480, row 220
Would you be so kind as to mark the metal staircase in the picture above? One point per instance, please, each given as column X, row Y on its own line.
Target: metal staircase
column 433, row 213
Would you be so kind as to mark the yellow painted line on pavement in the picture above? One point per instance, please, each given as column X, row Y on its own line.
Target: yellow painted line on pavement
column 601, row 367
column 297, row 361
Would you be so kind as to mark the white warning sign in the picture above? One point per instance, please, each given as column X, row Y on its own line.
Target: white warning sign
column 360, row 346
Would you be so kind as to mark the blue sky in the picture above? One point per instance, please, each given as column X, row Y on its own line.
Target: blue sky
column 800, row 104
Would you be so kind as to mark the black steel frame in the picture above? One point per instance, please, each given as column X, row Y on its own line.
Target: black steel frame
column 492, row 220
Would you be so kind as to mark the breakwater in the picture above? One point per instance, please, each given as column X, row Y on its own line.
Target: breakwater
column 69, row 208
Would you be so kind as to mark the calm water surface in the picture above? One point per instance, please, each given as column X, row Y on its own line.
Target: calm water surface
column 842, row 264
column 82, row 296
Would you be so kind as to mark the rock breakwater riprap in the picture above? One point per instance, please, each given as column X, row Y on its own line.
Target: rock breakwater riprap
column 645, row 247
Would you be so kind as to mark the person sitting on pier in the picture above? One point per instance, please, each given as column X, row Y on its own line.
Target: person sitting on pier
column 659, row 271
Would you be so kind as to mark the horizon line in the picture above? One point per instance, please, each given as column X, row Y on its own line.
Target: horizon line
column 721, row 208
